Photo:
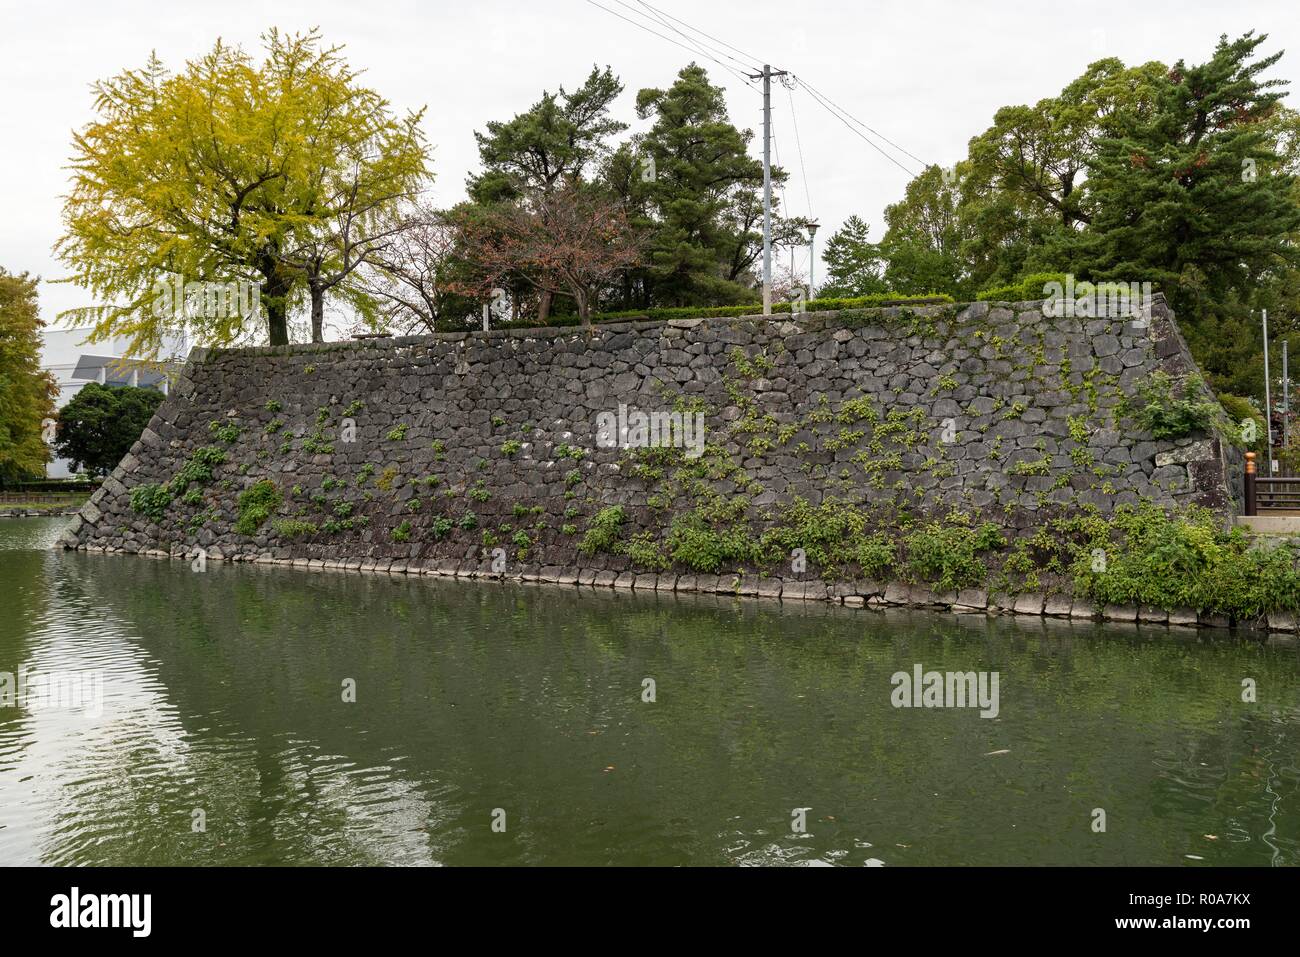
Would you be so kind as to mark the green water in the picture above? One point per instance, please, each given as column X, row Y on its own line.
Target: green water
column 222, row 691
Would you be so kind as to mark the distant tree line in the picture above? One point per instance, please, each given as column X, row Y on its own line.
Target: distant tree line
column 1181, row 176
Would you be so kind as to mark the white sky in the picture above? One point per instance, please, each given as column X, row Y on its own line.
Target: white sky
column 928, row 75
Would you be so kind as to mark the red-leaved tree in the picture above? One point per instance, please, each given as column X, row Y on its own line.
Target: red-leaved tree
column 569, row 241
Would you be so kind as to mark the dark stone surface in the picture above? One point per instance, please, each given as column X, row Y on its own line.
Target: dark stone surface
column 974, row 409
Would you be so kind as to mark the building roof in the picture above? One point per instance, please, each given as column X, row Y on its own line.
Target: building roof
column 117, row 371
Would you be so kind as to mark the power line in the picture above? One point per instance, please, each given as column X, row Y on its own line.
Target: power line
column 749, row 61
column 694, row 43
column 835, row 109
column 692, row 50
column 858, row 133
column 803, row 170
column 812, row 89
column 698, row 47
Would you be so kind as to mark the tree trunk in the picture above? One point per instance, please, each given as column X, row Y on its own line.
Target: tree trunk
column 277, row 311
column 543, row 307
column 275, row 299
column 317, row 313
column 584, row 308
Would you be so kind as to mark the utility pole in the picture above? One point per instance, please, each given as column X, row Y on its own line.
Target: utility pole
column 1268, row 400
column 766, row 76
column 813, row 226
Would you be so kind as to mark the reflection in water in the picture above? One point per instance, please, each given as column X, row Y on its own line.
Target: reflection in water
column 224, row 694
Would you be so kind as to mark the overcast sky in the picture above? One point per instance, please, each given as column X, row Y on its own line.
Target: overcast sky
column 926, row 75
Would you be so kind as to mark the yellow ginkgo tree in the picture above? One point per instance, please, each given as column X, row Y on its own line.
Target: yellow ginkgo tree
column 281, row 175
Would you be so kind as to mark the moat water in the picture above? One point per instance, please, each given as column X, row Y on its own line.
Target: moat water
column 248, row 715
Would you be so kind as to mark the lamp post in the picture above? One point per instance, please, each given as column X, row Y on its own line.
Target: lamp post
column 813, row 226
column 1286, row 405
column 1268, row 401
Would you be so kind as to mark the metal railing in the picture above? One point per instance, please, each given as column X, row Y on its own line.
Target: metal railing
column 1270, row 493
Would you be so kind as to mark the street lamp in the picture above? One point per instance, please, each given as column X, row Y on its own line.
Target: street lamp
column 813, row 226
column 1268, row 401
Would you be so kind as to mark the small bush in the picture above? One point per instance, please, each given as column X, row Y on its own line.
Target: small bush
column 1142, row 556
column 256, row 504
column 646, row 551
column 1168, row 412
column 753, row 309
column 693, row 543
column 198, row 468
column 1026, row 289
column 226, row 432
column 293, row 528
column 603, row 532
column 150, row 500
column 1040, row 466
column 1240, row 412
column 947, row 554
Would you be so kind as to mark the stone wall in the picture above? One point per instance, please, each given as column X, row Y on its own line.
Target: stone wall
column 433, row 452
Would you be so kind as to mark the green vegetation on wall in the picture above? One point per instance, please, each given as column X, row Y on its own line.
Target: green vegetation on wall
column 256, row 505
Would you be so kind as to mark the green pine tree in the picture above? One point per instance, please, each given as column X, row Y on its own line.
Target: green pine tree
column 854, row 265
column 702, row 190
column 1192, row 194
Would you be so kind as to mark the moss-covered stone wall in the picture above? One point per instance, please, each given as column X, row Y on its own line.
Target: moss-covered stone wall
column 486, row 448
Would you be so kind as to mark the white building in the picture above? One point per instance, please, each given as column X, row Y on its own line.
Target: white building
column 65, row 354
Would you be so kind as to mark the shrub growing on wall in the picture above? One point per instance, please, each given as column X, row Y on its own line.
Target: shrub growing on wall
column 256, row 504
column 151, row 500
column 1170, row 412
column 949, row 554
column 1185, row 561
